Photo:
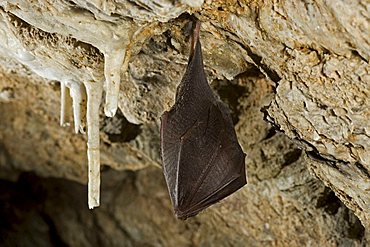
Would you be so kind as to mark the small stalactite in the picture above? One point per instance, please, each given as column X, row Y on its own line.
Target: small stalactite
column 65, row 105
column 78, row 96
column 75, row 91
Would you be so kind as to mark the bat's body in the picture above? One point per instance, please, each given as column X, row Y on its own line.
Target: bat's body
column 202, row 159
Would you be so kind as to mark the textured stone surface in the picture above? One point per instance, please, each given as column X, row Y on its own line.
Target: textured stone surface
column 136, row 211
column 282, row 204
column 314, row 54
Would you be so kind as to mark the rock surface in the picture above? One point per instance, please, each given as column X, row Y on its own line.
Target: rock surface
column 316, row 95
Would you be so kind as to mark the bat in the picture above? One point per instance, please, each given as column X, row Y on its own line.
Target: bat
column 202, row 159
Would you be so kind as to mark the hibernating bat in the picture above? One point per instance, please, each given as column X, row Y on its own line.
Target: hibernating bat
column 202, row 159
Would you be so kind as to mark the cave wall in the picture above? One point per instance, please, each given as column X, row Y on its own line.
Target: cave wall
column 294, row 74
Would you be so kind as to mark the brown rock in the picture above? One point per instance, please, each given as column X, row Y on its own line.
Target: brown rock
column 316, row 95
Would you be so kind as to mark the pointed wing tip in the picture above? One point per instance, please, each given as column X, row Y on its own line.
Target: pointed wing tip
column 193, row 210
column 185, row 215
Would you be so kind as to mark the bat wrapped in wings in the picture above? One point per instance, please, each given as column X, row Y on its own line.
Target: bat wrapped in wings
column 202, row 159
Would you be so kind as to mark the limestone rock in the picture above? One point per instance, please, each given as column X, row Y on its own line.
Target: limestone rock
column 315, row 94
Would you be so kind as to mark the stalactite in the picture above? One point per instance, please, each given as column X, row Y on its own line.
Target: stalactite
column 75, row 90
column 77, row 94
column 63, row 102
column 112, row 69
column 116, row 60
column 94, row 94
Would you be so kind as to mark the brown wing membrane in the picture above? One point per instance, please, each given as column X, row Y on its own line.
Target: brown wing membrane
column 202, row 160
